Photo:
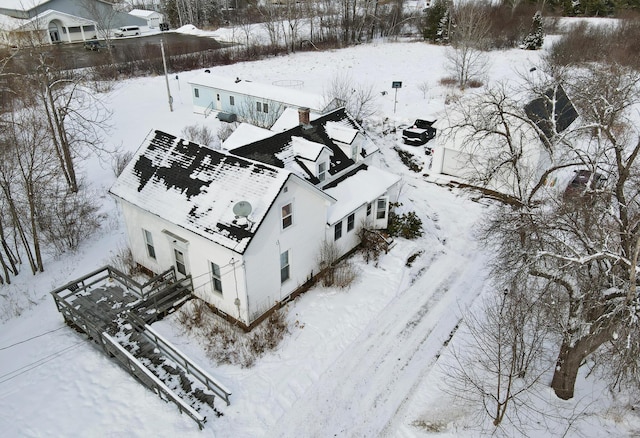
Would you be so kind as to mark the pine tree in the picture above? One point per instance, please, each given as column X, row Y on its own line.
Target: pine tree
column 535, row 38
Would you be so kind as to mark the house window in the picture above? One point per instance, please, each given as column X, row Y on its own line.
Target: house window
column 381, row 208
column 265, row 107
column 351, row 220
column 259, row 106
column 284, row 266
column 337, row 231
column 181, row 266
column 287, row 216
column 196, row 92
column 216, row 279
column 322, row 171
column 369, row 209
column 148, row 240
column 232, row 101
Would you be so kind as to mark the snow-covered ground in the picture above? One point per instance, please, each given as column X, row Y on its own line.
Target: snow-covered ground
column 360, row 362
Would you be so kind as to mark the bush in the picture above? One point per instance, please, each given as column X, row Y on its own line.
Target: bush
column 225, row 342
column 407, row 225
column 409, row 160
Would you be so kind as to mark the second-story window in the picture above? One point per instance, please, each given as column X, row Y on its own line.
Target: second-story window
column 287, row 216
column 322, row 171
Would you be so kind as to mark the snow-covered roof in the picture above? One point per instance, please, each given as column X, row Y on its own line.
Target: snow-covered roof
column 290, row 118
column 339, row 132
column 284, row 95
column 244, row 134
column 364, row 186
column 201, row 186
column 22, row 5
column 143, row 13
column 305, row 149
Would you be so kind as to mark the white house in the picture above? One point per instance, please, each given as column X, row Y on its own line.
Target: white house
column 250, row 101
column 28, row 22
column 249, row 230
column 153, row 18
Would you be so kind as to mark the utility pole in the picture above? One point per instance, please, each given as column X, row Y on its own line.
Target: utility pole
column 166, row 77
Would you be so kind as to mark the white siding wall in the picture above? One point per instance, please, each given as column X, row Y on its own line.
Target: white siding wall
column 198, row 251
column 302, row 239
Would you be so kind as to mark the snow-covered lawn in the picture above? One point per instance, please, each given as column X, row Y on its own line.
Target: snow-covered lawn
column 358, row 362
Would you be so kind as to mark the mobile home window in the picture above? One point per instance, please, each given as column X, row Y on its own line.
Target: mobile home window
column 232, row 101
column 381, row 209
column 265, row 107
column 259, row 106
column 284, row 266
column 216, row 279
column 196, row 92
column 148, row 240
column 351, row 220
column 287, row 216
column 337, row 231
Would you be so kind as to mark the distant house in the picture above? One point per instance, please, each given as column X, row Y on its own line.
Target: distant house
column 248, row 224
column 26, row 22
column 153, row 18
column 551, row 114
column 250, row 101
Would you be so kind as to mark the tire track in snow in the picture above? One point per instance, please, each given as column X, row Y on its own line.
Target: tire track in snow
column 388, row 359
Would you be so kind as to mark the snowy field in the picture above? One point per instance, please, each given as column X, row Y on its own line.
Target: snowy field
column 362, row 362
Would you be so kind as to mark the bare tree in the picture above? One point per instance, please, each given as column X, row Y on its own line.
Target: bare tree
column 75, row 118
column 466, row 58
column 358, row 99
column 578, row 253
column 503, row 357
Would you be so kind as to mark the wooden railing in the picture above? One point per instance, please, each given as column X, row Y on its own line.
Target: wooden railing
column 179, row 358
column 136, row 368
column 208, row 110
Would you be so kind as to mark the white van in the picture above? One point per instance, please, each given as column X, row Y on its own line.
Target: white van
column 127, row 31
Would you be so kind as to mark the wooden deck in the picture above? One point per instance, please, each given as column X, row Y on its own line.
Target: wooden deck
column 115, row 311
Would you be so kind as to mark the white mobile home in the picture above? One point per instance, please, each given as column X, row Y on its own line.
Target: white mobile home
column 252, row 102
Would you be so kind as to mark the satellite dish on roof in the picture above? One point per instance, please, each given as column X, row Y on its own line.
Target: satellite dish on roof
column 242, row 209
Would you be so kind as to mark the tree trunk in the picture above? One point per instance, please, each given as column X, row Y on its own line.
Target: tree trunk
column 566, row 372
column 571, row 358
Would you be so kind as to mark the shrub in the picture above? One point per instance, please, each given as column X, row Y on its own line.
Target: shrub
column 409, row 160
column 120, row 161
column 227, row 343
column 372, row 244
column 407, row 225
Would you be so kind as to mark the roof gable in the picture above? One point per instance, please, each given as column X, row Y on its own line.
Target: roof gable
column 196, row 188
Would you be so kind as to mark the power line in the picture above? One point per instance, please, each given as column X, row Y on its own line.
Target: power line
column 33, row 337
column 26, row 368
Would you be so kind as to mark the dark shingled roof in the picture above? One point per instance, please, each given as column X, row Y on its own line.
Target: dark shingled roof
column 267, row 150
column 541, row 111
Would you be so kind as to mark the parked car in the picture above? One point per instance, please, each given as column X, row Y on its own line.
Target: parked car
column 96, row 45
column 127, row 31
column 419, row 133
column 583, row 181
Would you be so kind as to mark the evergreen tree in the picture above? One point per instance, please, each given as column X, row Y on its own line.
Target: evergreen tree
column 535, row 38
column 432, row 30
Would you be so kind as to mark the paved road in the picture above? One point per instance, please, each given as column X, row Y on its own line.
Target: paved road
column 75, row 56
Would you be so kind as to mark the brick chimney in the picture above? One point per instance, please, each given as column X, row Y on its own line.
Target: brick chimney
column 303, row 116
